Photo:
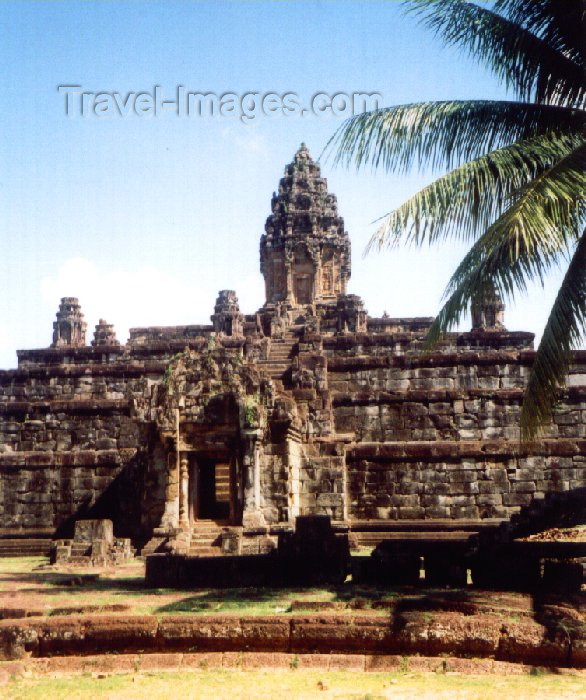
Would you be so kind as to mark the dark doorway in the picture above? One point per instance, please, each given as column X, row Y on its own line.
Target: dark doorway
column 213, row 489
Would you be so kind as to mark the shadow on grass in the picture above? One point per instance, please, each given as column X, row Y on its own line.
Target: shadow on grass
column 266, row 598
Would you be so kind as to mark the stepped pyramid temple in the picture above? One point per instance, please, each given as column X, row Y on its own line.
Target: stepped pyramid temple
column 306, row 406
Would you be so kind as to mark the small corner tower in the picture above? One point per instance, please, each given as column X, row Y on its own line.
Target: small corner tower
column 104, row 335
column 69, row 328
column 227, row 318
column 488, row 312
column 305, row 252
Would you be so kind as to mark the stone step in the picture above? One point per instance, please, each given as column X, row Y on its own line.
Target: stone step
column 203, row 546
column 80, row 549
column 206, row 533
column 205, row 552
column 21, row 547
column 196, row 530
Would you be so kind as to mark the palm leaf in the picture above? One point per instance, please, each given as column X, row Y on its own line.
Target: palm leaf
column 467, row 200
column 534, row 234
column 443, row 134
column 558, row 22
column 527, row 63
column 563, row 332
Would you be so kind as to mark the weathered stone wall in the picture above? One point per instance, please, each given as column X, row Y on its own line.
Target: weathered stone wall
column 73, row 442
column 46, row 491
column 461, row 480
column 440, row 431
column 383, row 431
column 322, row 481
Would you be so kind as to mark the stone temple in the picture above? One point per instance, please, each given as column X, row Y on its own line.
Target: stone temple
column 306, row 406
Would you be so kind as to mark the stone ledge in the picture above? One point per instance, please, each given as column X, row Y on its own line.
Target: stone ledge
column 477, row 338
column 154, row 333
column 125, row 370
column 175, row 345
column 83, row 458
column 52, row 354
column 426, row 526
column 439, row 395
column 390, row 451
column 364, row 634
column 83, row 406
column 196, row 661
column 440, row 359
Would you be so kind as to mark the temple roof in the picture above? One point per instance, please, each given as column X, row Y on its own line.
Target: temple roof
column 302, row 205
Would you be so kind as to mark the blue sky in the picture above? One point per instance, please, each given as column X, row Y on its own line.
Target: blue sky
column 145, row 219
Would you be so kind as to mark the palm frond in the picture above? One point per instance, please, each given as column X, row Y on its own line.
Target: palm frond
column 560, row 23
column 534, row 234
column 565, row 329
column 527, row 63
column 443, row 134
column 463, row 203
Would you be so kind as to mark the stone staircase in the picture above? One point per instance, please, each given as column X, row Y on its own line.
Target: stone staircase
column 280, row 356
column 206, row 538
column 25, row 547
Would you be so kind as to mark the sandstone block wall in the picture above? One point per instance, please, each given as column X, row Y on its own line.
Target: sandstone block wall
column 72, row 443
column 437, row 435
column 371, row 428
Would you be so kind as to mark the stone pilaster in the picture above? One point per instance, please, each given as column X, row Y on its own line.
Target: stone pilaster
column 252, row 515
column 170, row 517
column 183, row 490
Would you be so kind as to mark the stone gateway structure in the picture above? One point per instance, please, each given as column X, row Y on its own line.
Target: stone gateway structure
column 200, row 437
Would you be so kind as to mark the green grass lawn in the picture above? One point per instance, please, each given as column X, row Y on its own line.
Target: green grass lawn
column 28, row 581
column 300, row 684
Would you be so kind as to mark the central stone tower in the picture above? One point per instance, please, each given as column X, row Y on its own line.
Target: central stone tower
column 305, row 252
